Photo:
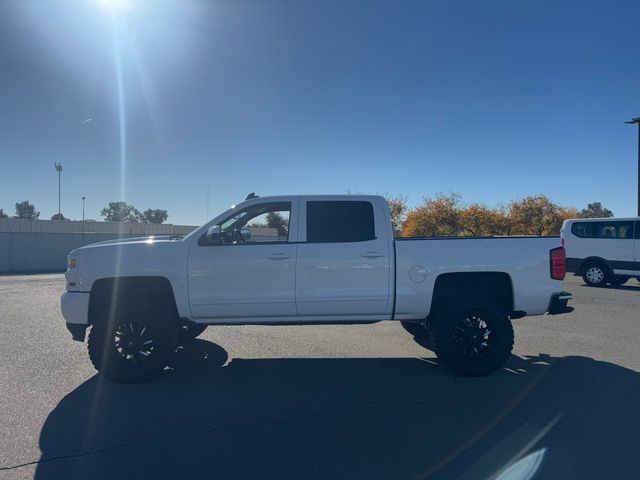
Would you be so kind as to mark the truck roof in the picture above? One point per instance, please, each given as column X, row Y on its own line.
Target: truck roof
column 606, row 219
column 319, row 197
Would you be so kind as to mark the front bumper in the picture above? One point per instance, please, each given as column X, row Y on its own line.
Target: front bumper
column 75, row 310
column 560, row 303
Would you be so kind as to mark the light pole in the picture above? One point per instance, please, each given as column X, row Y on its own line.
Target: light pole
column 83, row 197
column 59, row 170
column 637, row 120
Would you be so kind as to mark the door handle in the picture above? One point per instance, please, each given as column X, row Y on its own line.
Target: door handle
column 278, row 256
column 372, row 255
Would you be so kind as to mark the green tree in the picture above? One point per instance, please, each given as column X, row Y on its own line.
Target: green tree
column 154, row 216
column 2, row 214
column 26, row 210
column 58, row 216
column 595, row 210
column 120, row 212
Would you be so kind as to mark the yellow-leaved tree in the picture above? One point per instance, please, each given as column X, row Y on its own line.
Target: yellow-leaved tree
column 436, row 217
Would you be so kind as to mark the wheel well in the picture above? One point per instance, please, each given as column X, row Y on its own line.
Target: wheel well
column 495, row 286
column 109, row 291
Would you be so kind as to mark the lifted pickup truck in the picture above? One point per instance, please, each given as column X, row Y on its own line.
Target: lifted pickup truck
column 307, row 260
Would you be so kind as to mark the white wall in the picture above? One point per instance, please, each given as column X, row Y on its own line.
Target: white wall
column 42, row 245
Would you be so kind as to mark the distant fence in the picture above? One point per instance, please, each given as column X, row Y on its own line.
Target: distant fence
column 29, row 246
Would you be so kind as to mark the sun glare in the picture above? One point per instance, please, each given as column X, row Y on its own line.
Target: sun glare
column 114, row 6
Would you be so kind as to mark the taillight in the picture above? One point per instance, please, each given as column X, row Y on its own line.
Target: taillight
column 558, row 263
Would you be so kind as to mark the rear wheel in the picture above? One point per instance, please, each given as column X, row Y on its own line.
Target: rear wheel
column 133, row 343
column 595, row 274
column 617, row 281
column 471, row 335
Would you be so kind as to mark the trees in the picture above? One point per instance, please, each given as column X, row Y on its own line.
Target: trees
column 434, row 218
column 478, row 220
column 123, row 212
column 398, row 210
column 532, row 215
column 26, row 210
column 562, row 214
column 595, row 210
column 154, row 216
column 445, row 216
column 277, row 221
column 538, row 216
column 120, row 212
column 58, row 216
column 2, row 214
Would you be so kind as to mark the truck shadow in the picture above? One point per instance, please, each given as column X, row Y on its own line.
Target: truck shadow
column 332, row 418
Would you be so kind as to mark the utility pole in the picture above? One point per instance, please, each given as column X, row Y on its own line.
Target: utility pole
column 59, row 170
column 637, row 120
column 83, row 219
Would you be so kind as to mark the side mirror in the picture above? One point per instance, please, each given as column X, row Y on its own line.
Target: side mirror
column 213, row 236
column 246, row 233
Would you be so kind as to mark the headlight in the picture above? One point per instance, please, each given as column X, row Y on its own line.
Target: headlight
column 72, row 263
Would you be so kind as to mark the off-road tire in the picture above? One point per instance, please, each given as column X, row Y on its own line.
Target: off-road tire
column 154, row 320
column 448, row 321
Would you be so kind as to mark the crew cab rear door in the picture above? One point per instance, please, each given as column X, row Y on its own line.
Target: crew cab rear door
column 344, row 259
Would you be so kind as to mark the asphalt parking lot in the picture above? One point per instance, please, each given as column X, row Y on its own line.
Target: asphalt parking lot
column 324, row 402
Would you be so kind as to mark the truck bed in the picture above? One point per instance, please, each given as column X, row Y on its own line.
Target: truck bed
column 419, row 262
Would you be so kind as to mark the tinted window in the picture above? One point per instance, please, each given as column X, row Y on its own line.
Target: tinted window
column 582, row 229
column 340, row 221
column 638, row 230
column 614, row 229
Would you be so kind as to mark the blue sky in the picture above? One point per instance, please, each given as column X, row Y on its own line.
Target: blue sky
column 493, row 99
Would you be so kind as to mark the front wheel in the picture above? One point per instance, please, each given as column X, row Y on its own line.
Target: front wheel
column 133, row 343
column 472, row 336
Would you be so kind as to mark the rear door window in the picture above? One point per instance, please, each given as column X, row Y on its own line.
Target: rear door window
column 340, row 221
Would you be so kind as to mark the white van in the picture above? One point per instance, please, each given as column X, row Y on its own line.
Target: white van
column 603, row 250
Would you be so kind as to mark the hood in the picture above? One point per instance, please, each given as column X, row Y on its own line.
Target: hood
column 151, row 239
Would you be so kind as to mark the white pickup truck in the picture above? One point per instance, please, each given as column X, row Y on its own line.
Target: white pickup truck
column 307, row 260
